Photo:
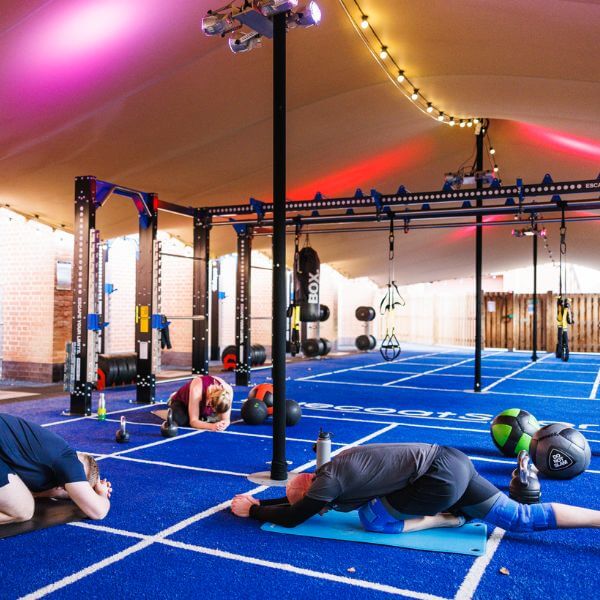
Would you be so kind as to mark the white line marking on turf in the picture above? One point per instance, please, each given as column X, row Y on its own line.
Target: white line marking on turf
column 475, row 573
column 161, row 463
column 595, row 388
column 93, row 568
column 265, row 563
column 527, row 366
column 151, row 444
column 446, row 390
column 65, row 581
column 228, row 432
column 361, row 583
column 112, row 412
column 551, row 380
column 408, row 358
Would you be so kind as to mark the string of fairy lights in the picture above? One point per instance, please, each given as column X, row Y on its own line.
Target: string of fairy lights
column 397, row 74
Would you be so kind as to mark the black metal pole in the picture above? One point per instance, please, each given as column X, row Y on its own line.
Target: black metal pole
column 478, row 264
column 83, row 340
column 278, row 463
column 243, row 333
column 200, row 342
column 214, row 310
column 146, row 295
column 534, row 356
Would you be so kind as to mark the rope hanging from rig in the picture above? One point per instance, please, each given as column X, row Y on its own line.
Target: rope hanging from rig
column 391, row 301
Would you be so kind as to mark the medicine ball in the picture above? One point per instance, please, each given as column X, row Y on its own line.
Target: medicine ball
column 293, row 412
column 512, row 431
column 262, row 392
column 254, row 412
column 559, row 451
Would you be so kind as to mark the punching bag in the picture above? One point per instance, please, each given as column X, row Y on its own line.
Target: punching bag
column 306, row 290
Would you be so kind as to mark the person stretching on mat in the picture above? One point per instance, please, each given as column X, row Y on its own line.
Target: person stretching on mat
column 408, row 487
column 34, row 461
column 204, row 402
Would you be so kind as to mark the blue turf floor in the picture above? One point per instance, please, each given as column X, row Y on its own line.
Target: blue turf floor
column 170, row 531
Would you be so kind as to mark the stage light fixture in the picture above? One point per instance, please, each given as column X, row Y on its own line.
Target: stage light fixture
column 218, row 23
column 309, row 15
column 245, row 43
column 270, row 8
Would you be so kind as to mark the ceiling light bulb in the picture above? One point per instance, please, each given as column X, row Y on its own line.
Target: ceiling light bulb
column 364, row 22
column 383, row 54
column 469, row 123
column 415, row 94
column 429, row 107
column 492, row 151
column 475, row 121
column 462, row 123
column 441, row 116
column 496, row 169
column 451, row 122
column 400, row 77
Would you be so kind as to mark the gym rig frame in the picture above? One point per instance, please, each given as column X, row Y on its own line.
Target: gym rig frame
column 520, row 200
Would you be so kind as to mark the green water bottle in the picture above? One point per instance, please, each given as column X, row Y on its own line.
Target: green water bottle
column 101, row 408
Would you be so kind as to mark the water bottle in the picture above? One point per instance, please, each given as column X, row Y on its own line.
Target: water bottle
column 101, row 408
column 323, row 447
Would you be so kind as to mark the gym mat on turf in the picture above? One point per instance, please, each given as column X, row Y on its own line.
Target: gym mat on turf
column 469, row 539
column 48, row 513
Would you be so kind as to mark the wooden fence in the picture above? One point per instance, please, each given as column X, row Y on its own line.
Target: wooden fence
column 509, row 321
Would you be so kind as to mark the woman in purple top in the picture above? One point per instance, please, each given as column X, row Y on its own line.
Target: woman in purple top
column 203, row 403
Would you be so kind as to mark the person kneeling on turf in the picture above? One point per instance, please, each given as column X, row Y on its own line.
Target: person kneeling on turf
column 203, row 403
column 408, row 487
column 34, row 461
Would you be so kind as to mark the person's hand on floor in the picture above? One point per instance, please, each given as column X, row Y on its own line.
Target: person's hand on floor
column 103, row 488
column 240, row 505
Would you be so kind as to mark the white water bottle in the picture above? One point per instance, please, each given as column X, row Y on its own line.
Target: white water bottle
column 323, row 448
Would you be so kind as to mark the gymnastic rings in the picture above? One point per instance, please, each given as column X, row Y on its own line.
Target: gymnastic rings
column 390, row 346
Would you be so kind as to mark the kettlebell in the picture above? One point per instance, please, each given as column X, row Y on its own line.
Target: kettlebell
column 122, row 436
column 525, row 485
column 169, row 428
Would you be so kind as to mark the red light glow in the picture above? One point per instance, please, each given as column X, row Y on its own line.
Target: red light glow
column 556, row 140
column 365, row 173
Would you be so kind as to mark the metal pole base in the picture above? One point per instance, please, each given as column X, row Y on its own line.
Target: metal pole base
column 264, row 478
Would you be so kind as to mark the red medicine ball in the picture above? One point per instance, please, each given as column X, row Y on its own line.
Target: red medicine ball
column 264, row 393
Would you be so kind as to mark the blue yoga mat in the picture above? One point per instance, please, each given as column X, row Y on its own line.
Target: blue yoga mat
column 468, row 539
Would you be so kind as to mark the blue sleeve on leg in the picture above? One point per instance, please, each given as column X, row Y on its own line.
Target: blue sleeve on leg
column 521, row 518
column 374, row 517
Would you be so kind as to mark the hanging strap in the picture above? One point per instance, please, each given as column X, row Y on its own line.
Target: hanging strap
column 563, row 255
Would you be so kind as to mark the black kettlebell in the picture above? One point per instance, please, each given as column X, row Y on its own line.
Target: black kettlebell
column 525, row 485
column 122, row 436
column 169, row 428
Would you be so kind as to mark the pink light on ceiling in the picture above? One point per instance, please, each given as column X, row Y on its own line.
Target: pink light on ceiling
column 87, row 28
column 366, row 173
column 578, row 146
column 81, row 29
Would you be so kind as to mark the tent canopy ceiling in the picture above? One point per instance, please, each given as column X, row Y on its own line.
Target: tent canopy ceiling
column 133, row 93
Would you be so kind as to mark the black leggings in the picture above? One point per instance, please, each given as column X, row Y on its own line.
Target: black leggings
column 180, row 414
column 449, row 485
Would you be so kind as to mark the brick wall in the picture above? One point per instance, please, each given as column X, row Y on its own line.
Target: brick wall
column 177, row 280
column 28, row 255
column 120, row 305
